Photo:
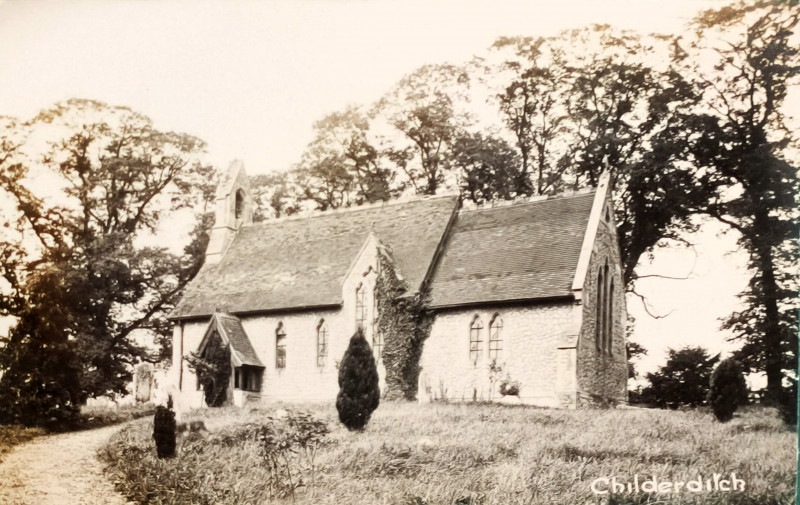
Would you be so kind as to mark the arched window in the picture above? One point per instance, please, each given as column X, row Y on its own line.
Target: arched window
column 475, row 339
column 238, row 210
column 377, row 344
column 606, row 315
column 598, row 322
column 495, row 337
column 361, row 307
column 610, row 316
column 280, row 347
column 322, row 343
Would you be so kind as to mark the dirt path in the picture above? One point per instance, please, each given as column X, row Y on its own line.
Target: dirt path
column 58, row 470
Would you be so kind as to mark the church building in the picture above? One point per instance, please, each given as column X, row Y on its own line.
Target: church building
column 525, row 298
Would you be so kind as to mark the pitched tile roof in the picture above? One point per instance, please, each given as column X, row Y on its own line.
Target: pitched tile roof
column 240, row 344
column 301, row 262
column 231, row 332
column 518, row 252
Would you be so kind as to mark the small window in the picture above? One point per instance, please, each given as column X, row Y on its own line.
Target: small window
column 377, row 344
column 239, row 205
column 361, row 307
column 495, row 338
column 322, row 343
column 280, row 347
column 608, row 214
column 475, row 340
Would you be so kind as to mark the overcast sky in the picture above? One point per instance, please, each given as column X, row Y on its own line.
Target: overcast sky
column 250, row 78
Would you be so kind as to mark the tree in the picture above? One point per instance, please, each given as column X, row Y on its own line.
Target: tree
column 531, row 106
column 487, row 167
column 423, row 109
column 683, row 380
column 89, row 256
column 741, row 61
column 213, row 371
column 633, row 351
column 358, row 394
column 275, row 195
column 728, row 389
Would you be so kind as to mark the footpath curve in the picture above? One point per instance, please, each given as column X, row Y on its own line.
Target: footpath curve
column 58, row 469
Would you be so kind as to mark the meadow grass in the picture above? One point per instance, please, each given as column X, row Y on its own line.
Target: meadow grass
column 463, row 454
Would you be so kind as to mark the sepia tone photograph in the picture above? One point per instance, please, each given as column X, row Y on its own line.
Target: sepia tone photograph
column 399, row 252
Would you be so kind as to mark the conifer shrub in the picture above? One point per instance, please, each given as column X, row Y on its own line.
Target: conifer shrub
column 359, row 394
column 728, row 389
column 164, row 431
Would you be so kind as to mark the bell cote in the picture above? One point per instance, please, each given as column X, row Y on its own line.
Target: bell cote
column 234, row 208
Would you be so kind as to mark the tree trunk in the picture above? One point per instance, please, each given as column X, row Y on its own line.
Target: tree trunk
column 773, row 345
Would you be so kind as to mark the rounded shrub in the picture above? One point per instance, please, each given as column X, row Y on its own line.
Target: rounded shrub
column 359, row 394
column 728, row 389
column 164, row 432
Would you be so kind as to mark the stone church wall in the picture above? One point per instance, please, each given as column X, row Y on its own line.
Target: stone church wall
column 602, row 378
column 531, row 337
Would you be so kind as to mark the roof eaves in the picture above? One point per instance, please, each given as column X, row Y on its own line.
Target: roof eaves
column 509, row 301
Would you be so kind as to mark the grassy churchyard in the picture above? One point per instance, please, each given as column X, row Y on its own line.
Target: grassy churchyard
column 459, row 454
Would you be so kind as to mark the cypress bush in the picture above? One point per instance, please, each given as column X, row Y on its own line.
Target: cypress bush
column 728, row 389
column 164, row 432
column 358, row 384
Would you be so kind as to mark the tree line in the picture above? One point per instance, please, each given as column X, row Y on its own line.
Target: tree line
column 690, row 127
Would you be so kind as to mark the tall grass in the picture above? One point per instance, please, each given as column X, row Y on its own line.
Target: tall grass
column 471, row 454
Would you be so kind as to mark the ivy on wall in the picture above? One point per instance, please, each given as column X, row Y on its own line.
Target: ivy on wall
column 405, row 325
column 213, row 371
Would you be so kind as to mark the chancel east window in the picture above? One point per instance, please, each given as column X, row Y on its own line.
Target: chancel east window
column 280, row 347
column 322, row 343
column 598, row 321
column 604, row 318
column 475, row 339
column 495, row 338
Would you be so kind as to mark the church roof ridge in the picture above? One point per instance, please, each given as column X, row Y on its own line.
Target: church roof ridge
column 355, row 208
column 469, row 206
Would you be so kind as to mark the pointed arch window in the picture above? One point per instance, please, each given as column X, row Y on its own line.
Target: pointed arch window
column 322, row 343
column 280, row 347
column 495, row 337
column 610, row 337
column 238, row 210
column 377, row 344
column 361, row 307
column 475, row 339
column 598, row 321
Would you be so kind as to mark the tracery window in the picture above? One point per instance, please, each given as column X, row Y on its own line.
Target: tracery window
column 495, row 337
column 280, row 347
column 322, row 343
column 475, row 339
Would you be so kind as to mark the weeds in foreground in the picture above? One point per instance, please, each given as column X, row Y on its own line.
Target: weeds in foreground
column 446, row 454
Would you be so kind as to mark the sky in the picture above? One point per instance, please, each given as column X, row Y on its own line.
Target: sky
column 250, row 78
